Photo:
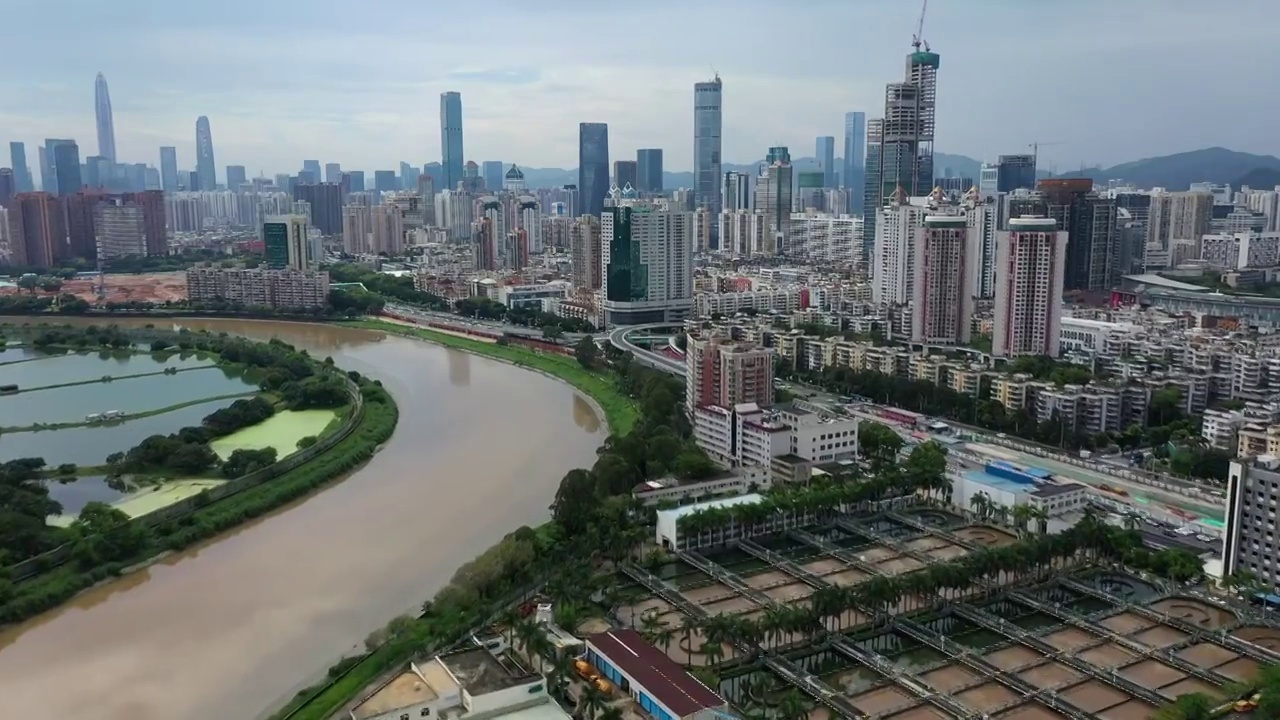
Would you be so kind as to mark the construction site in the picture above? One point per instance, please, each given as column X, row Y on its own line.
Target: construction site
column 1089, row 642
column 153, row 288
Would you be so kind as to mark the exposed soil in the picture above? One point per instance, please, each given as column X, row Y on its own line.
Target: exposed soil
column 1070, row 638
column 1264, row 637
column 1031, row 711
column 1207, row 654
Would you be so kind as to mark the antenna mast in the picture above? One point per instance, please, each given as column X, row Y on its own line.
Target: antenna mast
column 918, row 39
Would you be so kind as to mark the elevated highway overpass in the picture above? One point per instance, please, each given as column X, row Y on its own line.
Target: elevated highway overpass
column 620, row 338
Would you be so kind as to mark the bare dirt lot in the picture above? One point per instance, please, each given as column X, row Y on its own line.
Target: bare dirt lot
column 148, row 287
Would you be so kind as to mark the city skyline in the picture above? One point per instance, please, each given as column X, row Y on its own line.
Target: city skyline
column 544, row 87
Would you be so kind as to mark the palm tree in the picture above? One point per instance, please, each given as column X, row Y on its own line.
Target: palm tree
column 980, row 503
column 1132, row 520
column 1041, row 516
column 791, row 706
column 712, row 651
column 1021, row 516
column 590, row 701
column 688, row 625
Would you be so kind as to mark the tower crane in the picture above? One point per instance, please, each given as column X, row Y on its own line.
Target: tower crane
column 1035, row 148
column 918, row 39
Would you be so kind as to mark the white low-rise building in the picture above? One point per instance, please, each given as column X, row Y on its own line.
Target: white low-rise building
column 475, row 683
column 1221, row 428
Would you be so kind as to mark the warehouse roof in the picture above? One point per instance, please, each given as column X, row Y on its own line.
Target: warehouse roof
column 667, row 682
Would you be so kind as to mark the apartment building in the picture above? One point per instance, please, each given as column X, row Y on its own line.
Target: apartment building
column 724, row 372
column 1249, row 540
column 1030, row 266
column 286, row 289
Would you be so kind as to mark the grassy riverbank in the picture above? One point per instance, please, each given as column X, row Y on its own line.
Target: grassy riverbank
column 620, row 411
column 127, row 416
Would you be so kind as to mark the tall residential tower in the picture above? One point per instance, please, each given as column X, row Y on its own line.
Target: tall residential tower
column 106, row 126
column 593, row 167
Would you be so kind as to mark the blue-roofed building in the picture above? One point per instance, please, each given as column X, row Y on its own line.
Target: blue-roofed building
column 1007, row 484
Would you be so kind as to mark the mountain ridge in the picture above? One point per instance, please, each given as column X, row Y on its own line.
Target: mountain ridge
column 1172, row 172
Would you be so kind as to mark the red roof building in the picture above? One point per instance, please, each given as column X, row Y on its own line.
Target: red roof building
column 663, row 688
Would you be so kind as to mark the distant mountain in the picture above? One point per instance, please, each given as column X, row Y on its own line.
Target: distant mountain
column 1259, row 179
column 959, row 165
column 1178, row 171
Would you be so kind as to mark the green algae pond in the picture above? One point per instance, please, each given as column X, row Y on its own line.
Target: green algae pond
column 281, row 431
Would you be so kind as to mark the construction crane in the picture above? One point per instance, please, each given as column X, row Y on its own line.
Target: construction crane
column 1035, row 149
column 918, row 39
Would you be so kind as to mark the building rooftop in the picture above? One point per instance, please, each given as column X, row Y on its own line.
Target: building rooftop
column 419, row 684
column 1051, row 489
column 999, row 483
column 1153, row 279
column 677, row 513
column 666, row 681
column 479, row 672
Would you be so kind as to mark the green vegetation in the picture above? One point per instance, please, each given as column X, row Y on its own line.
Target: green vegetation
column 104, row 542
column 620, row 411
column 1173, row 435
column 486, row 309
column 395, row 287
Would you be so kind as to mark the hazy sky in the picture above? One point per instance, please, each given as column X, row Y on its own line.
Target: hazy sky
column 359, row 82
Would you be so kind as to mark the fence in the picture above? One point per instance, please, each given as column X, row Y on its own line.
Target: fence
column 59, row 555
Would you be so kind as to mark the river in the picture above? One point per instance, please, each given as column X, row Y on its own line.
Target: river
column 232, row 627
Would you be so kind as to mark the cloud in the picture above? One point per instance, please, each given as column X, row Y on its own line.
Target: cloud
column 291, row 79
column 496, row 76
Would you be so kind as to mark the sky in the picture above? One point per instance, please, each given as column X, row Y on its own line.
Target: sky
column 1103, row 81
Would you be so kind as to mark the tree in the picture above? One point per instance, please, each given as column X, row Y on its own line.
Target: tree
column 107, row 534
column 1191, row 706
column 552, row 332
column 586, row 352
column 50, row 284
column 576, row 499
column 879, row 444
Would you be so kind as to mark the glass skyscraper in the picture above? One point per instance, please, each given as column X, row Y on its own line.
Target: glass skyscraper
column 493, row 173
column 1014, row 172
column 63, row 157
column 708, row 109
column 853, row 177
column 593, row 167
column 825, row 151
column 21, row 173
column 206, row 170
column 649, row 170
column 451, row 139
column 106, row 124
column 168, row 168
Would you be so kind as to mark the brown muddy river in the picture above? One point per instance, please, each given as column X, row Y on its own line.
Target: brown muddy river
column 230, row 628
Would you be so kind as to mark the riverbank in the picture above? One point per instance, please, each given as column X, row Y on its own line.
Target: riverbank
column 620, row 411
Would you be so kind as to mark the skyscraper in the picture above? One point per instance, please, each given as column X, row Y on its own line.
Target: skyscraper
column 1089, row 219
column 357, row 180
column 647, row 252
column 625, row 172
column 584, row 248
column 206, row 170
column 18, row 161
column 593, row 167
column 903, row 139
column 8, row 188
column 825, row 152
column 1014, row 172
column 106, row 125
column 235, row 177
column 168, row 168
column 773, row 199
column 708, row 108
column 64, row 166
column 649, row 170
column 1030, row 262
column 493, row 172
column 451, row 139
column 36, row 233
column 48, row 183
column 385, row 180
column 853, row 176
column 326, row 205
column 871, row 188
column 945, row 280
column 333, row 172
column 311, row 166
